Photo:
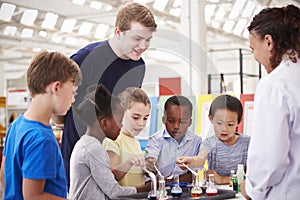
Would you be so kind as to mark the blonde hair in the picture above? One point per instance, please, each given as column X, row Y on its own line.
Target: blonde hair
column 133, row 94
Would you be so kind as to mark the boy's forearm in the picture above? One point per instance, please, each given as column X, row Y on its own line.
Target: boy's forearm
column 121, row 170
column 198, row 161
column 2, row 174
column 144, row 188
column 223, row 180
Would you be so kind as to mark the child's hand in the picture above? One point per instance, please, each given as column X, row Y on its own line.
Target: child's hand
column 138, row 160
column 150, row 162
column 187, row 160
column 218, row 179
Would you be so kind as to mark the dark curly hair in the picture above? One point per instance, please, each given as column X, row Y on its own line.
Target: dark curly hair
column 283, row 24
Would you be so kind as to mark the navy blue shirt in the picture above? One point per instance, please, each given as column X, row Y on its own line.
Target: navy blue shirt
column 98, row 64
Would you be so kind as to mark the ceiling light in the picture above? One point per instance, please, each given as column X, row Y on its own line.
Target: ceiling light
column 36, row 49
column 209, row 11
column 56, row 38
column 83, row 40
column 240, row 26
column 29, row 17
column 249, row 9
column 50, row 20
column 68, row 25
column 239, row 4
column 101, row 31
column 257, row 10
column 220, row 14
column 233, row 14
column 27, row 33
column 108, row 8
column 246, row 33
column 10, row 30
column 144, row 2
column 177, row 3
column 215, row 24
column 96, row 5
column 85, row 28
column 228, row 25
column 6, row 11
column 43, row 34
column 175, row 11
column 78, row 2
column 160, row 4
column 71, row 41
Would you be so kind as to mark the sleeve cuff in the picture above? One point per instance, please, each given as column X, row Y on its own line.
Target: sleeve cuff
column 254, row 193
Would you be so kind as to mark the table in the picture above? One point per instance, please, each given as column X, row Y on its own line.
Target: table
column 237, row 195
column 225, row 192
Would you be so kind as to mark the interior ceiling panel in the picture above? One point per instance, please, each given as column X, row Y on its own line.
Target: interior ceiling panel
column 16, row 49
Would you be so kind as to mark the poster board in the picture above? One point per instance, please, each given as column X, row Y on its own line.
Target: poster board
column 246, row 126
column 203, row 123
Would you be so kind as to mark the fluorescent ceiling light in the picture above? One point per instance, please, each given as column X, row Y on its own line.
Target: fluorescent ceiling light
column 249, row 9
column 10, row 30
column 228, row 25
column 68, row 25
column 215, row 24
column 29, row 17
column 56, row 38
column 220, row 14
column 83, row 41
column 50, row 20
column 43, row 34
column 160, row 4
column 209, row 11
column 96, row 5
column 6, row 11
column 108, row 8
column 101, row 31
column 246, row 33
column 27, row 33
column 239, row 4
column 177, row 3
column 257, row 10
column 78, row 2
column 240, row 26
column 85, row 28
column 71, row 41
column 175, row 11
column 36, row 49
column 142, row 1
column 233, row 14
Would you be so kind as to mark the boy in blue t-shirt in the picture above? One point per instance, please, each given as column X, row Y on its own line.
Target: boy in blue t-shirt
column 32, row 165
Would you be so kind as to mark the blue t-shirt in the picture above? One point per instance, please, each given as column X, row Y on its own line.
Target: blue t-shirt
column 98, row 64
column 31, row 151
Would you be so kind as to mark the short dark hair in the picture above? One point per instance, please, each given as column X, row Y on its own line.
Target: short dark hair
column 98, row 103
column 179, row 101
column 227, row 102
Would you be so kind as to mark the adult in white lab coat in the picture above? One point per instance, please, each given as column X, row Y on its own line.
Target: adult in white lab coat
column 273, row 165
